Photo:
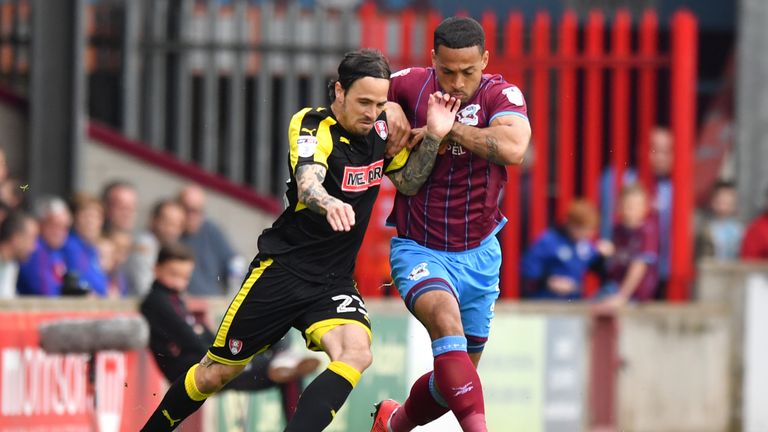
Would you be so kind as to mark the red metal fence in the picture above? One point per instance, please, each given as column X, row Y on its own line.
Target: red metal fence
column 565, row 83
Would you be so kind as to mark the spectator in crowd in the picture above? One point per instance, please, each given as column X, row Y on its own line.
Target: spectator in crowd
column 719, row 234
column 755, row 244
column 166, row 226
column 555, row 265
column 215, row 259
column 81, row 253
column 18, row 236
column 118, row 244
column 43, row 273
column 117, row 284
column 3, row 166
column 120, row 203
column 11, row 190
column 12, row 193
column 660, row 159
column 631, row 272
column 179, row 339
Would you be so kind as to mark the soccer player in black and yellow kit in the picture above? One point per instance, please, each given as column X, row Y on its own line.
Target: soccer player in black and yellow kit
column 302, row 275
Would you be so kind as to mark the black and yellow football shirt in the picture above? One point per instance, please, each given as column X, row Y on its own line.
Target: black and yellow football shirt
column 303, row 240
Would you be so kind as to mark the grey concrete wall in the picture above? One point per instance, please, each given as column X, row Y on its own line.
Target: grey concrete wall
column 13, row 129
column 675, row 374
column 241, row 223
column 752, row 106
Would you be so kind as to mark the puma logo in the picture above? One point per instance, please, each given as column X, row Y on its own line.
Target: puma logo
column 168, row 416
column 466, row 388
column 311, row 132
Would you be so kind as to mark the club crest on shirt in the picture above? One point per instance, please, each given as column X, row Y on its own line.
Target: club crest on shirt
column 235, row 346
column 360, row 178
column 381, row 129
column 468, row 116
column 419, row 272
column 514, row 96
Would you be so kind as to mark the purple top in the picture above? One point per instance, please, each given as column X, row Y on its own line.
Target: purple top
column 457, row 207
column 638, row 244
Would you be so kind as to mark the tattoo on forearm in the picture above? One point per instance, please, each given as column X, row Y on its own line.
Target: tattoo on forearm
column 415, row 172
column 206, row 362
column 309, row 181
column 492, row 147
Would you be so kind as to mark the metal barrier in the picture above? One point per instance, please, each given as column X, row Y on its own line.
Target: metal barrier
column 571, row 131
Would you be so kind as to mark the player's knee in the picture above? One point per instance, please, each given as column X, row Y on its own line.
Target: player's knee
column 444, row 324
column 358, row 356
column 213, row 378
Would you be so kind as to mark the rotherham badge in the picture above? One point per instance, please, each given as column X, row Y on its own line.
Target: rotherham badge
column 381, row 129
column 235, row 345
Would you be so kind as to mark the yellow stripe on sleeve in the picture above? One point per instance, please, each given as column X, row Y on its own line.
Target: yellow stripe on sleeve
column 398, row 161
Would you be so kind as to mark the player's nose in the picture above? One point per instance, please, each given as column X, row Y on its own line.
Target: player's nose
column 458, row 83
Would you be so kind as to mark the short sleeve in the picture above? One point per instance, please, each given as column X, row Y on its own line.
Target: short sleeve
column 505, row 99
column 309, row 134
column 397, row 83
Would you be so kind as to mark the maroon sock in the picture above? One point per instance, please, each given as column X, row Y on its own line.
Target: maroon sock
column 419, row 409
column 459, row 384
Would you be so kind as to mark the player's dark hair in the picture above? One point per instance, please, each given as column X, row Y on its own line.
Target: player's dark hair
column 359, row 64
column 15, row 222
column 174, row 252
column 459, row 32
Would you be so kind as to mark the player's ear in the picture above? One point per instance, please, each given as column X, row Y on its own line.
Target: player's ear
column 434, row 58
column 339, row 92
column 485, row 59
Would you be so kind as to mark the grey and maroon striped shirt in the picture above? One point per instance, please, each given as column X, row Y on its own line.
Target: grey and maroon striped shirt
column 457, row 207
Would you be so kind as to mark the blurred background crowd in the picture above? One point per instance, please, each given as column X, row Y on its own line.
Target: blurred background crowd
column 92, row 245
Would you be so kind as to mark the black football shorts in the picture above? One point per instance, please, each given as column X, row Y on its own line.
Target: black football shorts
column 273, row 299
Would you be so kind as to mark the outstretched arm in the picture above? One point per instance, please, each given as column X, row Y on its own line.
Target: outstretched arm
column 309, row 182
column 441, row 114
column 408, row 180
column 504, row 142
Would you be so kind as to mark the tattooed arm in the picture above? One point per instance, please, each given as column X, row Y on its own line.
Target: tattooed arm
column 441, row 114
column 408, row 180
column 504, row 142
column 309, row 182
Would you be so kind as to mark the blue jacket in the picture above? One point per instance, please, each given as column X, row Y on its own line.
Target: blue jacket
column 84, row 259
column 43, row 273
column 555, row 254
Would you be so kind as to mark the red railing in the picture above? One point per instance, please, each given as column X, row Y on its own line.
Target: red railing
column 565, row 86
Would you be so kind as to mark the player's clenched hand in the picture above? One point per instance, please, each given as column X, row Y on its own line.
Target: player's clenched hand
column 441, row 113
column 399, row 129
column 340, row 215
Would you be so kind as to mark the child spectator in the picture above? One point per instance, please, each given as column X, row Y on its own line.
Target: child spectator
column 117, row 285
column 555, row 265
column 721, row 232
column 632, row 271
